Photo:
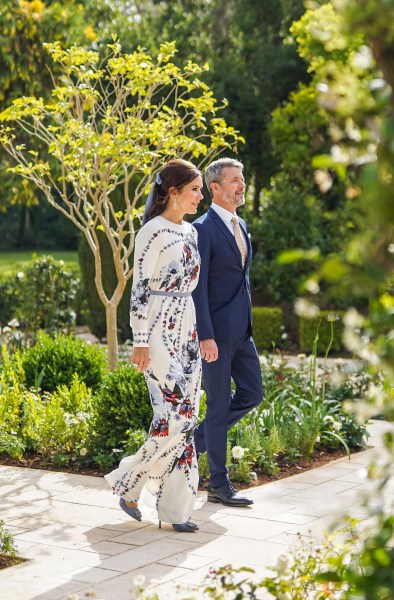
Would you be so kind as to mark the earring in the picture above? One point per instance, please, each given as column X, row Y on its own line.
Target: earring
column 174, row 201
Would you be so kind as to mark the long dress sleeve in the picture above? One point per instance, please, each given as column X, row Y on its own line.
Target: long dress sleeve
column 148, row 245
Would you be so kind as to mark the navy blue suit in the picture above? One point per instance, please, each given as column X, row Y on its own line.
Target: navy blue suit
column 224, row 312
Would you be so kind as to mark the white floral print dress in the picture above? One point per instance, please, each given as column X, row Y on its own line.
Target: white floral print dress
column 163, row 476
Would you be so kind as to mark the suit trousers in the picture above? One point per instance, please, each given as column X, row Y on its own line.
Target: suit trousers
column 238, row 360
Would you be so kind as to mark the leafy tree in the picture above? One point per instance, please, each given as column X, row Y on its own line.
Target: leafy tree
column 109, row 125
column 250, row 65
column 307, row 206
column 24, row 26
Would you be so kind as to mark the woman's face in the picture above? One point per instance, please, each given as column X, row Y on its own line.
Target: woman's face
column 188, row 199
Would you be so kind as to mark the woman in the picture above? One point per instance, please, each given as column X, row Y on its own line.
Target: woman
column 163, row 474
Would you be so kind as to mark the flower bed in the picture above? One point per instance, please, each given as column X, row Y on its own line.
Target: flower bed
column 87, row 427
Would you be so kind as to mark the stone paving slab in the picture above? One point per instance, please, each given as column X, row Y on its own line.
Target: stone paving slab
column 80, row 543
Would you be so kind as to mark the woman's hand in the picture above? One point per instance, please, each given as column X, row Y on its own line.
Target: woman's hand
column 140, row 358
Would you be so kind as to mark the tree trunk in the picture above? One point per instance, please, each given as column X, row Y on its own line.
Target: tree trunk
column 112, row 336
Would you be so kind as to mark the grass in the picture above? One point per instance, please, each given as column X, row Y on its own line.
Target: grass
column 12, row 262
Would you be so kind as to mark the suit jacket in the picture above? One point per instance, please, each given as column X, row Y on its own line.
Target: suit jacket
column 222, row 296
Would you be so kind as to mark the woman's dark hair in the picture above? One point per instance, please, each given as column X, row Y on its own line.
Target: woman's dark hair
column 176, row 173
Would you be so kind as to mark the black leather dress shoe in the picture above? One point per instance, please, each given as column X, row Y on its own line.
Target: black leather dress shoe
column 228, row 495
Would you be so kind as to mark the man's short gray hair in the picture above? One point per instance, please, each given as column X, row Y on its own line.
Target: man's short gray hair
column 214, row 172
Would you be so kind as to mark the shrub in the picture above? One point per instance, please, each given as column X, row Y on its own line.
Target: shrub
column 286, row 222
column 267, row 327
column 46, row 296
column 122, row 403
column 7, row 300
column 58, row 359
column 7, row 544
column 135, row 439
column 65, row 418
column 309, row 327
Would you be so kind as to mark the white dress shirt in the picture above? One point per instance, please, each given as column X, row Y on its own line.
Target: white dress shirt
column 226, row 217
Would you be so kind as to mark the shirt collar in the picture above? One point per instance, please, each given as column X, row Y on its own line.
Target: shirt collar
column 223, row 213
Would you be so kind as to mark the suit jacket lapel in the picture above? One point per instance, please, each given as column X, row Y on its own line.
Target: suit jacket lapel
column 225, row 230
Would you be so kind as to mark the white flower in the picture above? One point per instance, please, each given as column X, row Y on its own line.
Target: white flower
column 318, row 439
column 336, row 425
column 82, row 416
column 352, row 131
column 301, row 356
column 306, row 309
column 238, row 452
column 339, row 154
column 283, row 563
column 391, row 248
column 363, row 58
column 362, row 473
column 83, row 451
column 323, row 180
column 322, row 87
column 20, row 274
column 14, row 323
column 312, row 286
column 328, row 419
column 353, row 319
column 70, row 419
column 139, row 580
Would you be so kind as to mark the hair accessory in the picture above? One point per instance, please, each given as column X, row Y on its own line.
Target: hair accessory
column 158, row 181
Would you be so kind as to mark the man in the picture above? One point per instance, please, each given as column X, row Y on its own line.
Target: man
column 224, row 323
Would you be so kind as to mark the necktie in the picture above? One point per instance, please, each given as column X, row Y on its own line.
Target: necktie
column 239, row 239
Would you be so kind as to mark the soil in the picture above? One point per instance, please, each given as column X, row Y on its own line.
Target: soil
column 318, row 458
column 10, row 561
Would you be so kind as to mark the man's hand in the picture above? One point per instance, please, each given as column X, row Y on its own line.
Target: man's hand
column 209, row 350
column 140, row 358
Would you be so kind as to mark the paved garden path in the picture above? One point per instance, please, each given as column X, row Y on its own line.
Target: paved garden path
column 79, row 542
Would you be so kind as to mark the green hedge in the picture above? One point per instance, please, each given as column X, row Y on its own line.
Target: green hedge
column 121, row 403
column 309, row 327
column 53, row 362
column 267, row 327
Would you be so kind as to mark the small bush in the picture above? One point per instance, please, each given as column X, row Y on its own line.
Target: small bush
column 7, row 301
column 56, row 360
column 66, row 417
column 135, row 439
column 121, row 404
column 45, row 294
column 267, row 327
column 309, row 327
column 7, row 544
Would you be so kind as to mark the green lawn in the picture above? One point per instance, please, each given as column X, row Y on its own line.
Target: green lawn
column 12, row 262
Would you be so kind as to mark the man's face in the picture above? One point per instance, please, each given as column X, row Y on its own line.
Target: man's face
column 230, row 192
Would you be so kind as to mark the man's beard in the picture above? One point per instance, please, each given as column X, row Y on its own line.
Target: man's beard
column 235, row 200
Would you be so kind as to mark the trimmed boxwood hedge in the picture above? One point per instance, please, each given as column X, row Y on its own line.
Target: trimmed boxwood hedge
column 308, row 329
column 267, row 327
column 121, row 403
column 53, row 362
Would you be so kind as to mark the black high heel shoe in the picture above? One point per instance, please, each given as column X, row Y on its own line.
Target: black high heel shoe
column 183, row 527
column 132, row 511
